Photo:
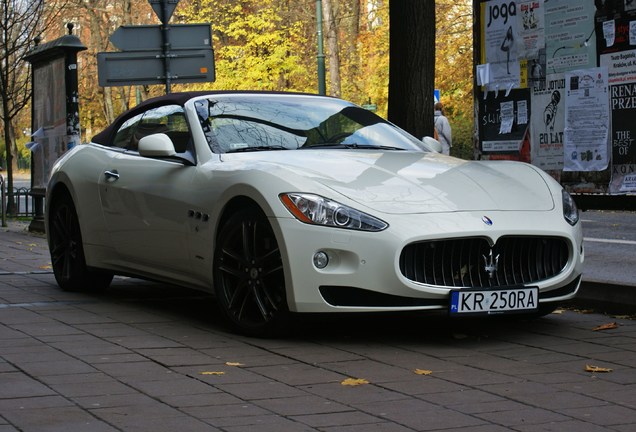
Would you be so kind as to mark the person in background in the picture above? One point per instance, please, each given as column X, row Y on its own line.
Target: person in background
column 443, row 128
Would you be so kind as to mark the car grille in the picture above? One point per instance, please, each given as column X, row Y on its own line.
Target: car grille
column 472, row 262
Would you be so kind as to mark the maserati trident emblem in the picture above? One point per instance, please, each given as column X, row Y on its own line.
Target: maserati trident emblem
column 490, row 264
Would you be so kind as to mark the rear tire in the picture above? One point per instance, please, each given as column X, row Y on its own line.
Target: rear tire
column 248, row 276
column 67, row 252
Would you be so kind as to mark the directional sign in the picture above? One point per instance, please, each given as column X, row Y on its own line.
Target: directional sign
column 158, row 7
column 148, row 37
column 147, row 67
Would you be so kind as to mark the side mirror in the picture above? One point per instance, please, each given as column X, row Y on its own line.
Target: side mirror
column 156, row 145
column 432, row 144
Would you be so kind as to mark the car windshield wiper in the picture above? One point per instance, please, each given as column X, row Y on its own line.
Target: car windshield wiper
column 257, row 148
column 352, row 146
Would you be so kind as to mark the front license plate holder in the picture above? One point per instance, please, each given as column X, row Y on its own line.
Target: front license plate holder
column 506, row 300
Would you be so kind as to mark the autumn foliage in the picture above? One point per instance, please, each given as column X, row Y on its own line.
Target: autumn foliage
column 272, row 45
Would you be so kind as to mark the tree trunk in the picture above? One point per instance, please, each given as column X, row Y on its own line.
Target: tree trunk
column 11, row 210
column 332, row 48
column 412, row 65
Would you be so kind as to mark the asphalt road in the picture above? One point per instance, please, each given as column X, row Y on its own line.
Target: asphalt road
column 610, row 247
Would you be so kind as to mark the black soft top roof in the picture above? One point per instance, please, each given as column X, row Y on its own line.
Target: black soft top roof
column 106, row 136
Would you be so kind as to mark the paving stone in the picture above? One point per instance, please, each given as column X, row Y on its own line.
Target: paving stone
column 59, row 419
column 352, row 395
column 298, row 374
column 342, row 419
column 420, row 415
column 612, row 415
column 261, row 390
column 527, row 415
column 300, row 405
column 19, row 385
column 375, row 427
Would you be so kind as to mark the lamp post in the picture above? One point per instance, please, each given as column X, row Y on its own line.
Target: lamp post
column 322, row 88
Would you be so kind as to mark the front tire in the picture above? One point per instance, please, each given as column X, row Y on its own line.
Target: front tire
column 67, row 253
column 248, row 276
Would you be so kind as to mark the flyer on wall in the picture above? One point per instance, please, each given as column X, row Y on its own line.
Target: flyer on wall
column 586, row 133
column 621, row 69
column 548, row 122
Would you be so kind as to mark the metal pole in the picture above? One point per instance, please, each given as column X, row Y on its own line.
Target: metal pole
column 322, row 88
column 165, row 34
column 2, row 202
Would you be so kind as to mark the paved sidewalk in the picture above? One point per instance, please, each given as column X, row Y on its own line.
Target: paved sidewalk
column 149, row 357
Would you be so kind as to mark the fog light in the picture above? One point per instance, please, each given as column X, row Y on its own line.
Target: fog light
column 321, row 259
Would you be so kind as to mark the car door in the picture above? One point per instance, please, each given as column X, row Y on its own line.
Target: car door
column 145, row 200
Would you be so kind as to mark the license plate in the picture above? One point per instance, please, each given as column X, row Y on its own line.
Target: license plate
column 497, row 301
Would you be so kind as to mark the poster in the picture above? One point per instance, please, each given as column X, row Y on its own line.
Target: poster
column 532, row 28
column 569, row 34
column 548, row 122
column 586, row 133
column 503, row 122
column 49, row 118
column 621, row 67
column 502, row 42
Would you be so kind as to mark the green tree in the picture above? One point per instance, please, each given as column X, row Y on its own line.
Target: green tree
column 257, row 44
column 454, row 70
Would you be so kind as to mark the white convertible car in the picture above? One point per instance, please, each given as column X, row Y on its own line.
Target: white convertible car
column 282, row 203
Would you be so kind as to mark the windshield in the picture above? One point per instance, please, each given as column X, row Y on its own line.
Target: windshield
column 240, row 123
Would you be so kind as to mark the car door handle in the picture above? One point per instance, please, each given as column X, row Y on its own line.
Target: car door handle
column 111, row 175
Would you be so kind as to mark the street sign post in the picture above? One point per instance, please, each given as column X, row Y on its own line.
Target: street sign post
column 158, row 54
column 147, row 67
column 148, row 37
column 162, row 7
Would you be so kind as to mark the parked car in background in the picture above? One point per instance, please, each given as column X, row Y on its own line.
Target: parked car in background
column 285, row 203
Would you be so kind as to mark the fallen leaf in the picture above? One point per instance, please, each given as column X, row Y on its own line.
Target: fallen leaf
column 607, row 326
column 213, row 373
column 558, row 311
column 354, row 382
column 591, row 368
column 234, row 364
column 423, row 372
column 46, row 267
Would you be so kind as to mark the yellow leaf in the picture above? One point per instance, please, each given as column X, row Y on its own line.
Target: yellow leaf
column 234, row 364
column 423, row 372
column 354, row 382
column 591, row 368
column 213, row 373
column 607, row 326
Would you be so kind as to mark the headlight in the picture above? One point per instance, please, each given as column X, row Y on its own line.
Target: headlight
column 316, row 210
column 570, row 210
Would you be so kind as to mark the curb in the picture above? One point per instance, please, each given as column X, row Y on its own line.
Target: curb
column 606, row 297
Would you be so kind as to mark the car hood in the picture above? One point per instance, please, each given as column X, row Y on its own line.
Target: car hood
column 414, row 182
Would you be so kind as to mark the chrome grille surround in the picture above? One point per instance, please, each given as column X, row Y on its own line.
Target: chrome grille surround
column 473, row 263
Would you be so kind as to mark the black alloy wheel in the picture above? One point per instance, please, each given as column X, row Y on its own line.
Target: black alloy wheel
column 67, row 254
column 248, row 276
